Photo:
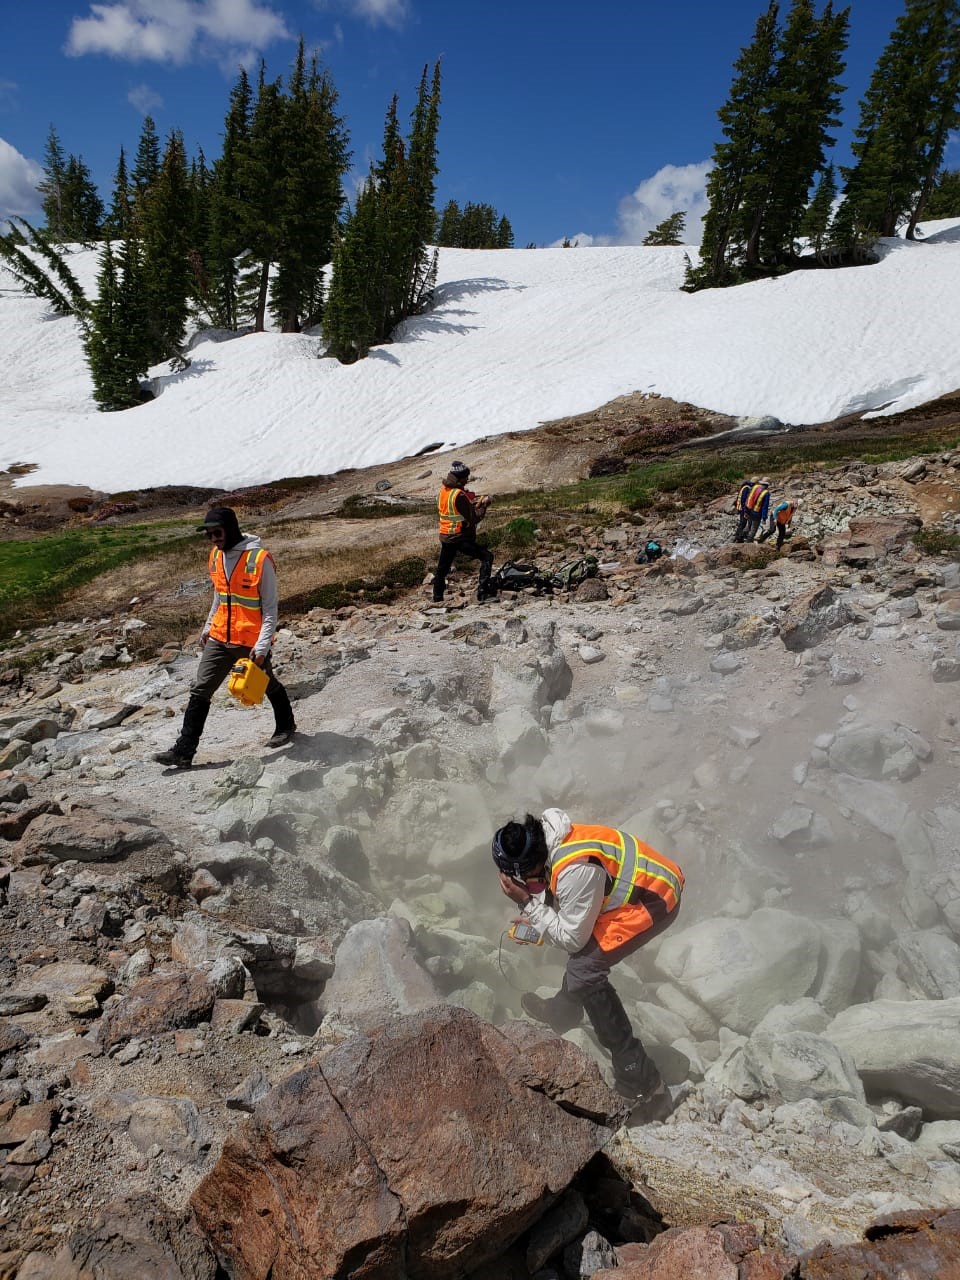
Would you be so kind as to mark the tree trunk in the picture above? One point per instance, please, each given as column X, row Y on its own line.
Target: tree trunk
column 262, row 297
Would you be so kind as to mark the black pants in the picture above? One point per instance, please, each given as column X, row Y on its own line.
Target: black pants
column 587, row 987
column 215, row 662
column 781, row 531
column 465, row 546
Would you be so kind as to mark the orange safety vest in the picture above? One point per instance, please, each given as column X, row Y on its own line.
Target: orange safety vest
column 755, row 497
column 786, row 514
column 742, row 497
column 643, row 885
column 239, row 611
column 451, row 521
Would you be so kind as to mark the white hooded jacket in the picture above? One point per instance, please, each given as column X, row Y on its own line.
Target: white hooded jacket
column 581, row 889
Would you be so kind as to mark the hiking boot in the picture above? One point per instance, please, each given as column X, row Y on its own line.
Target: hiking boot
column 559, row 1012
column 174, row 757
column 281, row 737
column 649, row 1108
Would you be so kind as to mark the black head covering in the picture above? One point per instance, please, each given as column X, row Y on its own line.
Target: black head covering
column 224, row 518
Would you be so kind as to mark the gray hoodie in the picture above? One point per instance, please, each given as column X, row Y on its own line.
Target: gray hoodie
column 268, row 592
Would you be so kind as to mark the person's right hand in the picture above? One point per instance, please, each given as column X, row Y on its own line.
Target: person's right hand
column 204, row 637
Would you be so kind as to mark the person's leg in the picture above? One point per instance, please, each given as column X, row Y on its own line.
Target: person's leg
column 448, row 551
column 781, row 534
column 215, row 663
column 284, row 724
column 587, row 979
column 561, row 1012
column 741, row 526
column 477, row 551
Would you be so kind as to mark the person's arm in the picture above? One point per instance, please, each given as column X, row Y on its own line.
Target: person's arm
column 205, row 633
column 268, row 609
column 580, row 893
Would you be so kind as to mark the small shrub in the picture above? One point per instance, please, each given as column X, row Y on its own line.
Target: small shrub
column 516, row 535
column 933, row 541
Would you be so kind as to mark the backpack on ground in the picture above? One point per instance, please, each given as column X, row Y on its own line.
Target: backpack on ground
column 570, row 575
column 513, row 575
column 649, row 552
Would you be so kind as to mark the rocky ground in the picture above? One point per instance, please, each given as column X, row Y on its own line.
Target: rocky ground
column 785, row 727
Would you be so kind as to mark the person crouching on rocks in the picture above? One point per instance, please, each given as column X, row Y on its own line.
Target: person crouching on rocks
column 460, row 512
column 241, row 624
column 599, row 894
column 780, row 518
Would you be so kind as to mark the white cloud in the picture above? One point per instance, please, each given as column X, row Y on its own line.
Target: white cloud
column 392, row 13
column 672, row 188
column 18, row 183
column 144, row 99
column 176, row 31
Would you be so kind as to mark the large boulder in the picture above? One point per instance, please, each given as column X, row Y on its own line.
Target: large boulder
column 83, row 836
column 810, row 619
column 377, row 974
column 738, row 969
column 909, row 1048
column 423, row 1150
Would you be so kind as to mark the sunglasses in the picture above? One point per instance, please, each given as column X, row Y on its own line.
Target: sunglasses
column 213, row 533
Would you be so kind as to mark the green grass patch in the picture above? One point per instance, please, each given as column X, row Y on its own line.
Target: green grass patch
column 382, row 588
column 516, row 535
column 934, row 540
column 360, row 506
column 35, row 575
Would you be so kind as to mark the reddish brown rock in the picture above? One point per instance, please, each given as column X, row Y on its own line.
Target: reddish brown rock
column 811, row 618
column 83, row 835
column 159, row 1002
column 919, row 1245
column 885, row 533
column 129, row 1240
column 424, row 1149
column 23, row 1120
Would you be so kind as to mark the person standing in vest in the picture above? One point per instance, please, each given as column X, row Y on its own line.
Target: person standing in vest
column 460, row 512
column 743, row 514
column 757, row 503
column 241, row 624
column 600, row 894
column 780, row 518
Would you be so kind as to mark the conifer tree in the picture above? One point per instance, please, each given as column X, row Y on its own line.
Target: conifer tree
column 504, row 234
column 166, row 263
column 119, row 218
column 905, row 116
column 776, row 121
column 262, row 179
column 743, row 123
column 116, row 343
column 669, row 231
column 227, row 199
column 51, row 277
column 816, row 218
column 314, row 160
column 83, row 207
column 146, row 168
column 383, row 270
column 944, row 201
column 52, row 186
column 448, row 225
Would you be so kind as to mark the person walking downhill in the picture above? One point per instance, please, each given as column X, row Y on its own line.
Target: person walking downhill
column 780, row 518
column 241, row 624
column 599, row 894
column 460, row 512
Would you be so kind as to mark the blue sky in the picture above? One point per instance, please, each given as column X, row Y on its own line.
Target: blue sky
column 591, row 121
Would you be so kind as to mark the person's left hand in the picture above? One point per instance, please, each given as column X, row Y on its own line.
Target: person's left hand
column 517, row 893
column 258, row 658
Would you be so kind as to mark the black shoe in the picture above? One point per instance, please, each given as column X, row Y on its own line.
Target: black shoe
column 559, row 1017
column 649, row 1107
column 281, row 737
column 174, row 757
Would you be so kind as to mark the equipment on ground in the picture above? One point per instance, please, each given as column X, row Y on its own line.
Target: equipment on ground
column 248, row 682
column 525, row 933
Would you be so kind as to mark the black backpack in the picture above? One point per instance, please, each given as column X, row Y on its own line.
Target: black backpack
column 516, row 576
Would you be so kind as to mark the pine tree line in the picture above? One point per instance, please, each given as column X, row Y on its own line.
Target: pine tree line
column 772, row 191
column 475, row 226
